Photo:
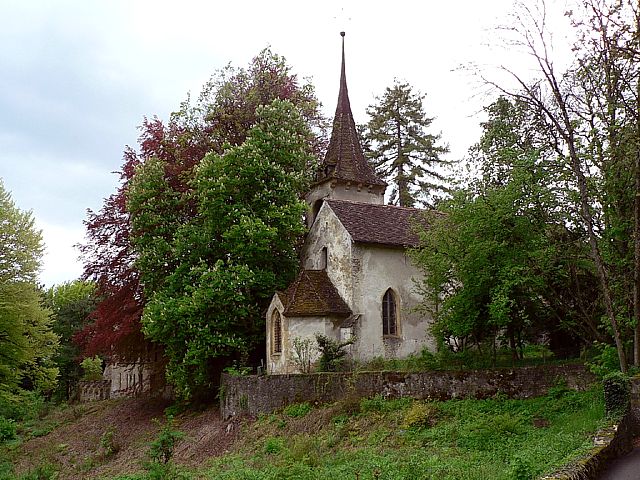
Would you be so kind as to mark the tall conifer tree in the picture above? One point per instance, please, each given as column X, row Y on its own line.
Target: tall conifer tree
column 401, row 150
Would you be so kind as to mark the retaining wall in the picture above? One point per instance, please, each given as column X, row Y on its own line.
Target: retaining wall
column 253, row 395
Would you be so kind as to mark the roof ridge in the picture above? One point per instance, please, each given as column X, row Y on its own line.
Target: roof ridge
column 380, row 224
column 314, row 287
column 313, row 293
column 378, row 205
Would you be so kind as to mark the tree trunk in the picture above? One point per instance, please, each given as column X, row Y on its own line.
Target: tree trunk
column 636, row 217
column 595, row 252
column 636, row 256
column 402, row 181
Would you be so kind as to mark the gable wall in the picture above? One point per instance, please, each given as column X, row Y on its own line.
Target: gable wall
column 327, row 231
column 377, row 268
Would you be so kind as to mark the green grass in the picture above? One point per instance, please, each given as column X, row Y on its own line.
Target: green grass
column 464, row 439
column 381, row 439
column 470, row 359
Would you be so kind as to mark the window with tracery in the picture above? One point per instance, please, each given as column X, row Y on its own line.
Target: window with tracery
column 389, row 313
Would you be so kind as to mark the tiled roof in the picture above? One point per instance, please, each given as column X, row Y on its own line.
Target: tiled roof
column 382, row 224
column 344, row 159
column 312, row 293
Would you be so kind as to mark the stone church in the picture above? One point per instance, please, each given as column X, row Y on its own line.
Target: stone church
column 356, row 278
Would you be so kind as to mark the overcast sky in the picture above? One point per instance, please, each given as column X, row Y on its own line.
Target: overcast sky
column 77, row 77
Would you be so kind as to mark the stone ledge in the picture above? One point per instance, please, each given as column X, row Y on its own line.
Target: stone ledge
column 254, row 395
column 609, row 444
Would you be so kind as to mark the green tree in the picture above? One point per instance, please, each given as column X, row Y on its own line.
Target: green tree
column 590, row 112
column 71, row 303
column 219, row 269
column 485, row 261
column 504, row 259
column 27, row 344
column 220, row 116
column 400, row 148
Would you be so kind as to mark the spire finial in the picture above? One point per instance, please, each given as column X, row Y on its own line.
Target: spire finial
column 343, row 78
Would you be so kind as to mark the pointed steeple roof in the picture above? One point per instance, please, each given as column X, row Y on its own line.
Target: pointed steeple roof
column 344, row 159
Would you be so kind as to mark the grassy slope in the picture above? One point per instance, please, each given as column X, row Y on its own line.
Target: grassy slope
column 368, row 439
column 405, row 439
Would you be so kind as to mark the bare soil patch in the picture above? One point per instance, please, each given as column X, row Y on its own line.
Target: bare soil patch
column 75, row 448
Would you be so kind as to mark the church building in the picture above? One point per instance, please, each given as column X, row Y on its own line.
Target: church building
column 356, row 277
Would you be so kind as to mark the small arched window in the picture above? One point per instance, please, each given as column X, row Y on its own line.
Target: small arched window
column 389, row 314
column 276, row 338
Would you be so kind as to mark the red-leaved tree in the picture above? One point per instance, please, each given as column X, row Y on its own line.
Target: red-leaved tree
column 222, row 115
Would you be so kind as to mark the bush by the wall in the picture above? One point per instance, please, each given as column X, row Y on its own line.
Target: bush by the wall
column 331, row 352
column 92, row 368
column 161, row 450
column 617, row 390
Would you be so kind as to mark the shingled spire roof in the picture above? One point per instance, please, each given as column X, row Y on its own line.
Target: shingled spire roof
column 344, row 159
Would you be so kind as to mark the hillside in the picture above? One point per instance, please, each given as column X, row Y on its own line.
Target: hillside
column 359, row 439
column 75, row 441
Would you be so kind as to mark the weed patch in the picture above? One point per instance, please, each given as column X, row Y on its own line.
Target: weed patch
column 297, row 410
column 392, row 439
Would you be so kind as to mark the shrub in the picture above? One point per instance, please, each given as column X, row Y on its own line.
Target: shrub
column 20, row 405
column 420, row 415
column 606, row 361
column 8, row 429
column 108, row 444
column 238, row 370
column 521, row 469
column 617, row 389
column 161, row 450
column 302, row 354
column 164, row 471
column 559, row 390
column 304, row 449
column 297, row 409
column 273, row 445
column 331, row 352
column 92, row 368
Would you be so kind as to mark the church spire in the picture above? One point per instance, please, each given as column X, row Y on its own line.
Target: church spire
column 344, row 159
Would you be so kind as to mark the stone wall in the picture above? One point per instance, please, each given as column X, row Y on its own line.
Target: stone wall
column 93, row 390
column 253, row 395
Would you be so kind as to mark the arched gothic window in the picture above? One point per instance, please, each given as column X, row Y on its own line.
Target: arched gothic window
column 276, row 338
column 389, row 314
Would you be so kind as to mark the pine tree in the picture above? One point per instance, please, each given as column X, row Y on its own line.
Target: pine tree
column 401, row 150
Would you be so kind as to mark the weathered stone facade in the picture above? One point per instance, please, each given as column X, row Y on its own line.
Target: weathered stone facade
column 93, row 390
column 361, row 244
column 133, row 379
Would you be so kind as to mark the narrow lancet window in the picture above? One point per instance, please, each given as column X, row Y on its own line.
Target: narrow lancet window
column 276, row 340
column 389, row 314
